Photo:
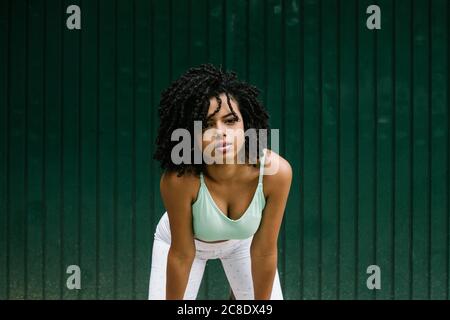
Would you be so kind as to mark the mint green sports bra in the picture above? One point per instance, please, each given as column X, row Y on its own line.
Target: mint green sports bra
column 211, row 224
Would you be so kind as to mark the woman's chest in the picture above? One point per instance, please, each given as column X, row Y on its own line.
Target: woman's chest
column 233, row 201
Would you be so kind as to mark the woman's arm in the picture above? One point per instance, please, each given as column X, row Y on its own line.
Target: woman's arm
column 264, row 245
column 177, row 196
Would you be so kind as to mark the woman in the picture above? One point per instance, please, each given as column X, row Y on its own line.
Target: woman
column 218, row 208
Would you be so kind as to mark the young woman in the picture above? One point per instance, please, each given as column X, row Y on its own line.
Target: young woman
column 219, row 208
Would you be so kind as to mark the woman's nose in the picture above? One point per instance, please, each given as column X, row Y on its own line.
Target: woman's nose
column 220, row 128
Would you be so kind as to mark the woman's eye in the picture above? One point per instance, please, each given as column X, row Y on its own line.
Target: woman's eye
column 206, row 126
column 231, row 121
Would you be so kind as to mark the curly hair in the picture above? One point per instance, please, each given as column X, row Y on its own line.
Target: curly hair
column 187, row 100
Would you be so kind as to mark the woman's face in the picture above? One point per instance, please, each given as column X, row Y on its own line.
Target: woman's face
column 223, row 134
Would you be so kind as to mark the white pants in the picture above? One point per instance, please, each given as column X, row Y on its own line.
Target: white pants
column 234, row 255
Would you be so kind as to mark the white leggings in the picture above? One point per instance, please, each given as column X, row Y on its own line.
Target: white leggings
column 234, row 255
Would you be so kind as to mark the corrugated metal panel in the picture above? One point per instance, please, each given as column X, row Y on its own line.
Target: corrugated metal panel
column 363, row 116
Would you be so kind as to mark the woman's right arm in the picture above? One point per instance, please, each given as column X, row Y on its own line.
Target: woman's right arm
column 177, row 195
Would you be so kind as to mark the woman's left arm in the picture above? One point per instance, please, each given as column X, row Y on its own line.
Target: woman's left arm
column 263, row 249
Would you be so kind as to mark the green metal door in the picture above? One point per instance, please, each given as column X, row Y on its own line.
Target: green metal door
column 363, row 116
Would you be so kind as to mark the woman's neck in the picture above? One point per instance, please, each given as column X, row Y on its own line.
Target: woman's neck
column 224, row 172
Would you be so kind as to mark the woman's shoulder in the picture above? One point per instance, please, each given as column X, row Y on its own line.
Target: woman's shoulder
column 184, row 185
column 274, row 164
column 277, row 170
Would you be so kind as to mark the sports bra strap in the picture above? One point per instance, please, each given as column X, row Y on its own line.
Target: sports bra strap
column 261, row 167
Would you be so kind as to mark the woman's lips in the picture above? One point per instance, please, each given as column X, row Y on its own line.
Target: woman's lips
column 223, row 146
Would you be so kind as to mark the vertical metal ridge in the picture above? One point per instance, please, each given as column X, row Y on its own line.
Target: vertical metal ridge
column 80, row 150
column 8, row 154
column 27, row 48
column 320, row 148
column 189, row 30
column 357, row 153
column 394, row 149
column 61, row 220
column 133, row 163
column 430, row 154
column 265, row 54
column 208, row 53
column 97, row 160
column 375, row 154
column 448, row 155
column 170, row 45
column 338, row 129
column 115, row 166
column 224, row 34
column 247, row 40
column 302, row 146
column 151, row 119
column 44, row 154
column 411, row 157
column 133, row 192
column 152, row 94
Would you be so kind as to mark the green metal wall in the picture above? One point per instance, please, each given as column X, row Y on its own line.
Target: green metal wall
column 363, row 114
